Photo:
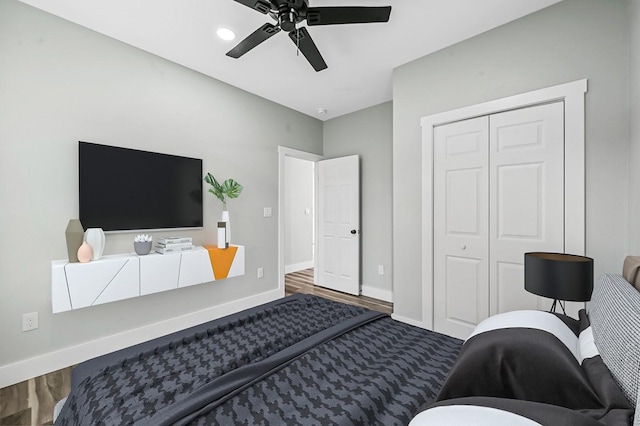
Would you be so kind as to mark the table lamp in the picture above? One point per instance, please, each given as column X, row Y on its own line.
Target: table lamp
column 559, row 276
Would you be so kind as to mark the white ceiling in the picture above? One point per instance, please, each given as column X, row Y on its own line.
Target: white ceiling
column 361, row 58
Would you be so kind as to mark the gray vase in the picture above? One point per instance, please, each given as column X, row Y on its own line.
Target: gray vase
column 142, row 247
column 75, row 236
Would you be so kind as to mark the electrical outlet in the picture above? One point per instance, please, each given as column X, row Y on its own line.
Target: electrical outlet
column 29, row 321
column 267, row 212
column 380, row 269
column 260, row 272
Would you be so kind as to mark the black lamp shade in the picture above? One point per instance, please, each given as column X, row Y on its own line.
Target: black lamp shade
column 559, row 276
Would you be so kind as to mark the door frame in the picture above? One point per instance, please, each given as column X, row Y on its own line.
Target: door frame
column 573, row 95
column 284, row 152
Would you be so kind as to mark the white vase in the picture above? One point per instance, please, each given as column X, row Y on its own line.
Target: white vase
column 95, row 238
column 225, row 218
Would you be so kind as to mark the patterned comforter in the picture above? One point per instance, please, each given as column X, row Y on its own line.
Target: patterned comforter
column 299, row 360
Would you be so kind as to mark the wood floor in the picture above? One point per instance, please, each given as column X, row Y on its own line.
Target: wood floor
column 31, row 402
column 302, row 282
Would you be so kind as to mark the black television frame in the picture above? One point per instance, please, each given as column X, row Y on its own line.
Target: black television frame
column 127, row 190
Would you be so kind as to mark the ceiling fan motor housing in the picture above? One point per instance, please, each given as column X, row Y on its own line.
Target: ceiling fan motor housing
column 288, row 18
column 288, row 13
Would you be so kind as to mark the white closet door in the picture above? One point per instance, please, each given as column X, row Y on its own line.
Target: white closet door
column 461, row 217
column 498, row 193
column 526, row 198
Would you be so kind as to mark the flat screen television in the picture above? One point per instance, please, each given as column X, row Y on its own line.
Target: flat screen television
column 125, row 189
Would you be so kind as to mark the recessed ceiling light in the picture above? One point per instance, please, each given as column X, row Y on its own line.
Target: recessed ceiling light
column 322, row 111
column 225, row 34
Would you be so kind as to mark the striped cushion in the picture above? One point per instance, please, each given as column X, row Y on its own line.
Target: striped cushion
column 615, row 317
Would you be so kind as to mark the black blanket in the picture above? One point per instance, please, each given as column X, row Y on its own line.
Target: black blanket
column 534, row 370
column 299, row 360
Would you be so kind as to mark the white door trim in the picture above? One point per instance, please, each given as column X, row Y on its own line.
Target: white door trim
column 573, row 96
column 301, row 155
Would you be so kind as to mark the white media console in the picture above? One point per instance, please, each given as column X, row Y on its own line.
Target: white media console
column 118, row 277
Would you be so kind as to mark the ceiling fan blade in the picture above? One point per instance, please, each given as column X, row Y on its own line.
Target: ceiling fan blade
column 347, row 15
column 258, row 36
column 261, row 6
column 303, row 40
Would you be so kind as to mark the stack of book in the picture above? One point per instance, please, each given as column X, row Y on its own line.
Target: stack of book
column 166, row 245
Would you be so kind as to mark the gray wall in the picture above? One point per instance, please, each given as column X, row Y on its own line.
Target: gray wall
column 60, row 83
column 298, row 228
column 571, row 40
column 634, row 137
column 368, row 133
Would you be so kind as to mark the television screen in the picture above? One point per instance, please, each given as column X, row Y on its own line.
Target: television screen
column 125, row 189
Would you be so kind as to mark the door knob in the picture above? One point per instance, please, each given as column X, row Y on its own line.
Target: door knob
column 354, row 232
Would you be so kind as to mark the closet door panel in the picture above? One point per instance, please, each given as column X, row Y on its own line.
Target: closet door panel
column 460, row 226
column 527, row 198
column 509, row 280
column 464, row 282
column 520, row 203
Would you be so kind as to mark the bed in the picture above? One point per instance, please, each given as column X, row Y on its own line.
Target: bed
column 307, row 360
column 299, row 360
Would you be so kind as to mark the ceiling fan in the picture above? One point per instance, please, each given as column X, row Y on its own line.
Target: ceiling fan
column 289, row 13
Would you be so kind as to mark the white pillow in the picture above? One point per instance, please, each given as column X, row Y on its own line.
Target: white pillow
column 463, row 415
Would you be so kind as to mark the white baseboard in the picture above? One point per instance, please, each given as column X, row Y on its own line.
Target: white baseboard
column 295, row 267
column 37, row 366
column 409, row 321
column 377, row 293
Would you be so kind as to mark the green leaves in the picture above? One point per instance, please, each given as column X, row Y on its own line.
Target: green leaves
column 229, row 188
column 216, row 188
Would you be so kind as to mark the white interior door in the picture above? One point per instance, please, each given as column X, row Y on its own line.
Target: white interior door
column 338, row 255
column 527, row 198
column 460, row 229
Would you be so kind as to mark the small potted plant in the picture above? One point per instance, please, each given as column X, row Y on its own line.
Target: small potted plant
column 228, row 189
column 142, row 244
